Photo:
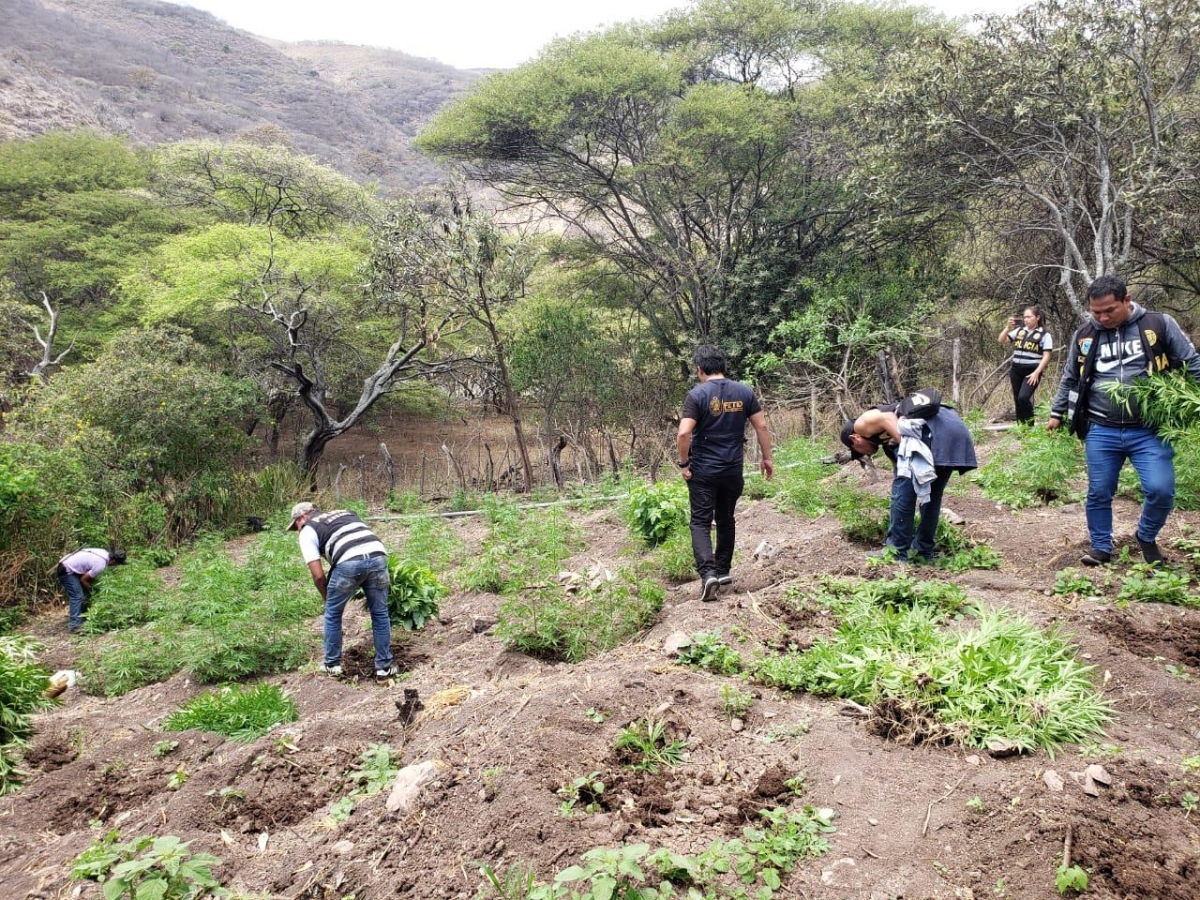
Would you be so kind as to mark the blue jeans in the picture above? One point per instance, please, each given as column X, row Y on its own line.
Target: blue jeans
column 1107, row 448
column 344, row 581
column 76, row 599
column 904, row 514
column 712, row 499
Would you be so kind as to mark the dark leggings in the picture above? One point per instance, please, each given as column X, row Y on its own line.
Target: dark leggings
column 1023, row 392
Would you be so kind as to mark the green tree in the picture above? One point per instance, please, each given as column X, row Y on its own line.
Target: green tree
column 74, row 210
column 1068, row 127
column 675, row 151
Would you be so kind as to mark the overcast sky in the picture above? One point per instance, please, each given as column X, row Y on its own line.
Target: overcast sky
column 467, row 34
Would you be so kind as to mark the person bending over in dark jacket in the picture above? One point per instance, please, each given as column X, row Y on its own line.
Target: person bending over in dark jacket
column 951, row 450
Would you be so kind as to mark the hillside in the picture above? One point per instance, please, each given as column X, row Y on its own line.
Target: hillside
column 161, row 72
column 915, row 820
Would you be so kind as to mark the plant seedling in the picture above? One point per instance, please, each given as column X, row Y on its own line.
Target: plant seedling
column 595, row 715
column 1070, row 878
column 178, row 779
column 976, row 805
column 735, row 702
column 646, row 741
column 1189, row 802
column 583, row 792
column 1192, row 763
column 164, row 748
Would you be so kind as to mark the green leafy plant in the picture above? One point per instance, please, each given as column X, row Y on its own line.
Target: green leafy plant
column 374, row 771
column 975, row 804
column 1070, row 878
column 1191, row 763
column 797, row 783
column 519, row 550
column 1000, row 678
column 414, row 595
column 735, row 702
column 22, row 686
column 209, row 623
column 1156, row 584
column 708, row 651
column 657, row 510
column 517, row 882
column 573, row 626
column 243, row 714
column 1189, row 802
column 595, row 715
column 148, row 868
column 801, row 465
column 164, row 748
column 644, row 743
column 1072, row 581
column 1035, row 467
column 178, row 779
column 583, row 793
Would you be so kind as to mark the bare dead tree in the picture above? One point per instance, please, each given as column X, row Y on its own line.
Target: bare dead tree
column 47, row 343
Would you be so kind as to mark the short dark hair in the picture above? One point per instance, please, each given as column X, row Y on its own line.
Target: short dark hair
column 847, row 430
column 709, row 359
column 1108, row 284
column 117, row 557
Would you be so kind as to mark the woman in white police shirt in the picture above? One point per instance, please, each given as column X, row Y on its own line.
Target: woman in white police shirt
column 1031, row 354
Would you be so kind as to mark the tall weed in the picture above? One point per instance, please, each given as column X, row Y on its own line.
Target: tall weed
column 551, row 622
column 221, row 622
column 1000, row 678
column 22, row 686
column 1033, row 467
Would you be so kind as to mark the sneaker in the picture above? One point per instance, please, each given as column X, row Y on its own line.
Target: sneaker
column 724, row 579
column 389, row 672
column 1096, row 557
column 1150, row 551
column 335, row 671
column 709, row 591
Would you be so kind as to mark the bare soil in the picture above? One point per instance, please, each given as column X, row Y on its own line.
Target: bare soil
column 512, row 729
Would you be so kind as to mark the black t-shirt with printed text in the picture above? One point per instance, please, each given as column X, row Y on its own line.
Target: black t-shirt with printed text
column 720, row 408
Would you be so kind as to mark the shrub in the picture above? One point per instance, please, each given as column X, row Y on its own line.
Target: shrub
column 657, row 510
column 1001, row 678
column 519, row 551
column 800, row 472
column 243, row 714
column 574, row 626
column 1034, row 467
column 22, row 686
column 413, row 598
column 211, row 622
column 1156, row 584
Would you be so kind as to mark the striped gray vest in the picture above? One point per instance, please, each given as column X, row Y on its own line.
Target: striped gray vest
column 338, row 534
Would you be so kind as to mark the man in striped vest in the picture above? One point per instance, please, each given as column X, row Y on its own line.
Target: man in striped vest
column 357, row 558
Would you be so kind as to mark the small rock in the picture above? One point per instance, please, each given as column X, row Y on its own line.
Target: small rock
column 736, row 724
column 973, row 760
column 872, row 822
column 676, row 642
column 1053, row 780
column 343, row 847
column 1001, row 747
column 711, row 816
column 764, row 551
column 1098, row 774
column 952, row 517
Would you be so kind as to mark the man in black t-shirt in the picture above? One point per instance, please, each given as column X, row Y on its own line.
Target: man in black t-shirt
column 712, row 432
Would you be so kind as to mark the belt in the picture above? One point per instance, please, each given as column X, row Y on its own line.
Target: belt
column 375, row 555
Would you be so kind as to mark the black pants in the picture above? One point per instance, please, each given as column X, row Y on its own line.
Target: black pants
column 713, row 498
column 1023, row 392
